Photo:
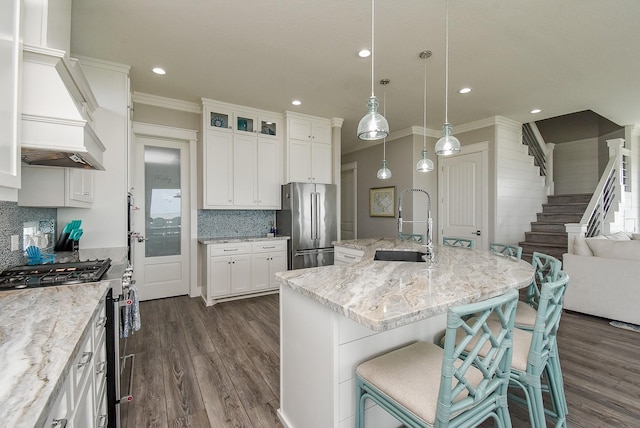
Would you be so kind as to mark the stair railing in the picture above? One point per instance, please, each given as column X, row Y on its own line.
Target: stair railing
column 542, row 153
column 606, row 199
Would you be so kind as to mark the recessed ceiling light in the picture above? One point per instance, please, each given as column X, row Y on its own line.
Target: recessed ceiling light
column 464, row 90
column 364, row 53
column 296, row 102
column 159, row 70
column 535, row 111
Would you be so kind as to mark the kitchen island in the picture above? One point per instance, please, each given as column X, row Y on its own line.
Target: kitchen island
column 334, row 317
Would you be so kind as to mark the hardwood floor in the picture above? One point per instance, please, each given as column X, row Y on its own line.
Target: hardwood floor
column 219, row 367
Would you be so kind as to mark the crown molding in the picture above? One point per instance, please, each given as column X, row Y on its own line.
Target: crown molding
column 169, row 103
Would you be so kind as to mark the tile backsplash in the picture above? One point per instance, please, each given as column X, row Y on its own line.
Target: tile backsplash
column 232, row 223
column 12, row 219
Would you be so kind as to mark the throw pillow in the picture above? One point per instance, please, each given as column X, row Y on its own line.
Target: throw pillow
column 624, row 250
column 619, row 236
column 580, row 247
column 635, row 236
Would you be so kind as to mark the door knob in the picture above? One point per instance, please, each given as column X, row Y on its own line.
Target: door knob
column 477, row 232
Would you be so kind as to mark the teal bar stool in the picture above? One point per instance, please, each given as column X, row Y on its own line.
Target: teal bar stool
column 507, row 250
column 459, row 242
column 423, row 385
column 532, row 362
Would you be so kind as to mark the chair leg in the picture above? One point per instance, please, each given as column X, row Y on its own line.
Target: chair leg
column 558, row 381
column 359, row 405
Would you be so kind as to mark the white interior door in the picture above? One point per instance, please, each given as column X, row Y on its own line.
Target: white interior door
column 348, row 205
column 161, row 254
column 464, row 199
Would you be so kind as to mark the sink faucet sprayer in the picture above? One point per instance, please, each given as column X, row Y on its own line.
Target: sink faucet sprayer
column 428, row 221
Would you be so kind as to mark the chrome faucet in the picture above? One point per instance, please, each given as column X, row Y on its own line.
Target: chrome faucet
column 428, row 221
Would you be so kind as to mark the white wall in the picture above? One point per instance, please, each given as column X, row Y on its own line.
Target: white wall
column 105, row 223
column 520, row 190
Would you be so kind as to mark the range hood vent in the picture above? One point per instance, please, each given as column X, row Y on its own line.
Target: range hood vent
column 57, row 107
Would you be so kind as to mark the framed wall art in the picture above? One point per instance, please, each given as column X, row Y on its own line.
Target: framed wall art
column 382, row 201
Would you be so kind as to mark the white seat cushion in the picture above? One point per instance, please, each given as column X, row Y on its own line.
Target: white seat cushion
column 525, row 316
column 411, row 376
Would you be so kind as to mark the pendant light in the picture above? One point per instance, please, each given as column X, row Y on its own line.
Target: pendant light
column 384, row 173
column 425, row 164
column 373, row 126
column 447, row 144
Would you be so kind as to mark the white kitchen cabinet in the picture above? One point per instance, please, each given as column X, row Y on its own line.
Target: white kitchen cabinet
column 242, row 269
column 9, row 102
column 242, row 157
column 228, row 270
column 56, row 187
column 346, row 256
column 267, row 259
column 309, row 149
column 82, row 400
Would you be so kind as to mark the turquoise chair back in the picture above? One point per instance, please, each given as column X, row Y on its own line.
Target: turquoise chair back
column 546, row 269
column 547, row 321
column 457, row 392
column 459, row 242
column 508, row 250
column 410, row 237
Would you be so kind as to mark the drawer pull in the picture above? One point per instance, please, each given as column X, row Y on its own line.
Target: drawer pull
column 86, row 359
column 100, row 367
column 101, row 322
column 347, row 256
column 59, row 423
column 102, row 422
column 266, row 248
column 230, row 249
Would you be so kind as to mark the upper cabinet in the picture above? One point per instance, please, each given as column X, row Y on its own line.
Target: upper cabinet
column 9, row 102
column 242, row 157
column 308, row 149
column 44, row 186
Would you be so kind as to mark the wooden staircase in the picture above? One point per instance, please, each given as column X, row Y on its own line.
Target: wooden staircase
column 548, row 234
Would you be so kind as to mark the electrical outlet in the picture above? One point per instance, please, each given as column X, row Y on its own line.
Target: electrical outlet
column 15, row 243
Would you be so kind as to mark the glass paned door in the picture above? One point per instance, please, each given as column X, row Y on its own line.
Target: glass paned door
column 163, row 201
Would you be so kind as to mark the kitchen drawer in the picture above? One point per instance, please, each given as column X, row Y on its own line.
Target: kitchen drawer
column 229, row 249
column 99, row 322
column 269, row 246
column 347, row 255
column 82, row 366
column 100, row 367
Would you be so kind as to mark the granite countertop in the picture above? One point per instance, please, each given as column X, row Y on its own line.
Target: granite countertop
column 234, row 239
column 41, row 329
column 383, row 295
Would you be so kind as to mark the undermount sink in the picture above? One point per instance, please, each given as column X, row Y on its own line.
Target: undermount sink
column 399, row 256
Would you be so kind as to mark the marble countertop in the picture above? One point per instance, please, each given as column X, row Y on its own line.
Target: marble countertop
column 383, row 295
column 207, row 241
column 40, row 331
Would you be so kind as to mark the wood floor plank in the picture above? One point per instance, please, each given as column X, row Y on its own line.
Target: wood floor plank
column 197, row 420
column 181, row 386
column 148, row 408
column 265, row 416
column 224, row 408
column 196, row 335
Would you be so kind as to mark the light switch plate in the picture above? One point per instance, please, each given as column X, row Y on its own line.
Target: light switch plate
column 15, row 243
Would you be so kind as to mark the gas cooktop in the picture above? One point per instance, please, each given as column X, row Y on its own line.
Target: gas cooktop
column 46, row 275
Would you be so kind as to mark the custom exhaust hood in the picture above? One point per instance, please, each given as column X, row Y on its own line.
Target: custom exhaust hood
column 57, row 107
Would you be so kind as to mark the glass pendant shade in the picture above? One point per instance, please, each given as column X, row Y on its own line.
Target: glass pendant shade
column 373, row 126
column 384, row 173
column 447, row 144
column 425, row 164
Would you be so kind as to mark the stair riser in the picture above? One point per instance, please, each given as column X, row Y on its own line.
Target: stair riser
column 546, row 238
column 569, row 199
column 573, row 208
column 559, row 217
column 551, row 251
column 552, row 228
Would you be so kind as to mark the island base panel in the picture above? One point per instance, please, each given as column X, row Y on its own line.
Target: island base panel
column 320, row 350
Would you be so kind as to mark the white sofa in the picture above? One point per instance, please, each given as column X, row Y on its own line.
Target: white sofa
column 604, row 277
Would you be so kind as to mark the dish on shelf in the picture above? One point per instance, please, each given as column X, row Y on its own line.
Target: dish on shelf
column 219, row 122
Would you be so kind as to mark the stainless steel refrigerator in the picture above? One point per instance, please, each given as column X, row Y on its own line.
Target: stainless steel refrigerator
column 309, row 217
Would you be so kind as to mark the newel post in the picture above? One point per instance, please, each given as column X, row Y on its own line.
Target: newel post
column 574, row 230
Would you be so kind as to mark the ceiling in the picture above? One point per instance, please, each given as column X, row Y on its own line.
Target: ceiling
column 560, row 56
